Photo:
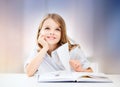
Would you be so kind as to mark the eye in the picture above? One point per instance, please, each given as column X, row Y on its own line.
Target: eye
column 47, row 28
column 58, row 29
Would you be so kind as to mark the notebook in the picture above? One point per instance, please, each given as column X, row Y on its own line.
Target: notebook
column 81, row 77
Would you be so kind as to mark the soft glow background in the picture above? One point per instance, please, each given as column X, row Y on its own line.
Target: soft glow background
column 94, row 24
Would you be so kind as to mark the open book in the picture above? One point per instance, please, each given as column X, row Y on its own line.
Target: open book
column 82, row 77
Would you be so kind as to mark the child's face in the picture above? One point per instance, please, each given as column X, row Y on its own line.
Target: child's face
column 51, row 31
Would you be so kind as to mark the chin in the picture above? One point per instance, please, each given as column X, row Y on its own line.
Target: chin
column 52, row 43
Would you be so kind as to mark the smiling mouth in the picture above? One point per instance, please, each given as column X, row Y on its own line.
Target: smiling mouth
column 51, row 37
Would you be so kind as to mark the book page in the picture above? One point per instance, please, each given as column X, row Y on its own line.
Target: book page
column 57, row 76
column 91, row 77
column 65, row 76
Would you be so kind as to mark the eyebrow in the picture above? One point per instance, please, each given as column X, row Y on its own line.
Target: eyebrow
column 47, row 26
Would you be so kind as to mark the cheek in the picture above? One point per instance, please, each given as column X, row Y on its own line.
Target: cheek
column 42, row 32
column 59, row 35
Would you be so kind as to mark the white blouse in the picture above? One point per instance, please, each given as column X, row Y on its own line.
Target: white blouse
column 59, row 59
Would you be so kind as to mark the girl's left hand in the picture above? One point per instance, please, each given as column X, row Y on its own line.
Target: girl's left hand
column 75, row 64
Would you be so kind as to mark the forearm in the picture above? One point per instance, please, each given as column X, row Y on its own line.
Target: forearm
column 32, row 67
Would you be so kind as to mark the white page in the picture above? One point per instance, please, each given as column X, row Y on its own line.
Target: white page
column 57, row 76
column 63, row 53
column 74, row 76
column 91, row 77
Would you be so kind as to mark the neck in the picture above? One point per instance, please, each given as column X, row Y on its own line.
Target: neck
column 52, row 48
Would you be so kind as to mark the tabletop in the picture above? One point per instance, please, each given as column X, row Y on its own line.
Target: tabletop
column 22, row 80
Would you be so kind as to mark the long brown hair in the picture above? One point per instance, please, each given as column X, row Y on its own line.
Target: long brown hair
column 59, row 20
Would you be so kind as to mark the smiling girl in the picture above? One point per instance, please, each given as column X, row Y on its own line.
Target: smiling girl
column 52, row 36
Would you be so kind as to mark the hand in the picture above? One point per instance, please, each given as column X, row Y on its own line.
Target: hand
column 75, row 64
column 43, row 42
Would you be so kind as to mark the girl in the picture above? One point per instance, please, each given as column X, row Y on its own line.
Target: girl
column 51, row 37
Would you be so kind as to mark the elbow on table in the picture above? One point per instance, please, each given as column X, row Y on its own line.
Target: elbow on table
column 29, row 74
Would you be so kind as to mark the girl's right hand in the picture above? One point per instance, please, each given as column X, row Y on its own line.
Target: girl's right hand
column 43, row 42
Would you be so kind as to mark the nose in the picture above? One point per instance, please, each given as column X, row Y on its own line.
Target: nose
column 51, row 32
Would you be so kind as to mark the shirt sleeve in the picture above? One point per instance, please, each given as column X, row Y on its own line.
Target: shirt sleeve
column 77, row 53
column 30, row 57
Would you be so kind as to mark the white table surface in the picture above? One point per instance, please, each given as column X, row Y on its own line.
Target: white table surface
column 21, row 80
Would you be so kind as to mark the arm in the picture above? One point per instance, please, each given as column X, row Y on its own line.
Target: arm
column 75, row 64
column 32, row 67
column 78, row 61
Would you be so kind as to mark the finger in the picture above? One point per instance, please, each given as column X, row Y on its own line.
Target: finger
column 41, row 36
column 75, row 63
column 77, row 66
column 72, row 61
column 40, row 39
